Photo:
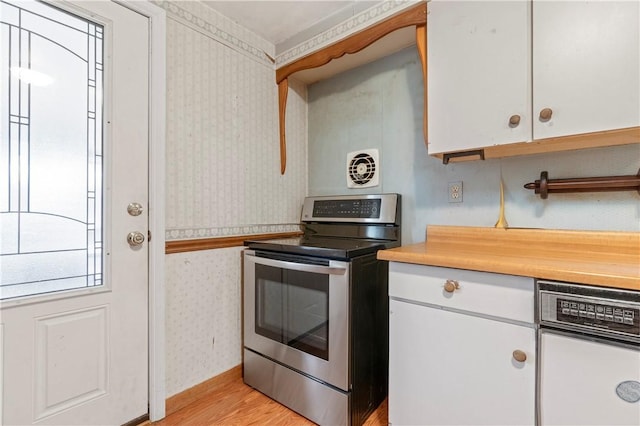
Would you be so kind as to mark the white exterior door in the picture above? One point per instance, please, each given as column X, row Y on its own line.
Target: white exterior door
column 74, row 155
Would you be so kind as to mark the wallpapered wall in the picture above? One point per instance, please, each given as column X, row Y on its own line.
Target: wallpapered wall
column 223, row 163
column 222, row 178
column 223, row 171
column 379, row 105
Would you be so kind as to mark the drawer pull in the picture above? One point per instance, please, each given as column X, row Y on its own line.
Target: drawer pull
column 451, row 285
column 519, row 355
column 514, row 120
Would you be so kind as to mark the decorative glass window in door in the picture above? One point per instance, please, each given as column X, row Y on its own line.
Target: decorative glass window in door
column 51, row 150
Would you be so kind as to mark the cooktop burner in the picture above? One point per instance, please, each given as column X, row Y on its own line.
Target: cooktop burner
column 342, row 227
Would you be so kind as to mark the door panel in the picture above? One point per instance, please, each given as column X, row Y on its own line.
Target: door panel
column 586, row 63
column 449, row 368
column 581, row 381
column 80, row 355
column 471, row 100
column 86, row 332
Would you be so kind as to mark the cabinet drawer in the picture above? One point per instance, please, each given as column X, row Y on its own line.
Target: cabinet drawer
column 505, row 296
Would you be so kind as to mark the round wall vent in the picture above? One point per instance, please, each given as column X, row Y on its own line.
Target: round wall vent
column 362, row 169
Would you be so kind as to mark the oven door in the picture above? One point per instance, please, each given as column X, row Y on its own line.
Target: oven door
column 296, row 312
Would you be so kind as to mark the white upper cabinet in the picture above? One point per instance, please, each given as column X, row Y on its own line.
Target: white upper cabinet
column 586, row 66
column 493, row 67
column 479, row 73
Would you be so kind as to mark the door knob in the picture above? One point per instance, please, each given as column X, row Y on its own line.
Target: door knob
column 135, row 238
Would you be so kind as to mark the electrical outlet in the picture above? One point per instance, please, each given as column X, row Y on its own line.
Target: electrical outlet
column 455, row 192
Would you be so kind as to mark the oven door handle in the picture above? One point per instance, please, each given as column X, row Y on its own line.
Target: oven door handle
column 302, row 267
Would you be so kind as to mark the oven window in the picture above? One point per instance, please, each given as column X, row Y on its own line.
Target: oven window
column 292, row 308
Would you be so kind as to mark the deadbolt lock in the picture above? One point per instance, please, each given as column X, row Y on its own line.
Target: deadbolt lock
column 134, row 209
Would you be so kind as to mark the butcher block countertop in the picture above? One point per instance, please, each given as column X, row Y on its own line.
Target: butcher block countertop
column 610, row 259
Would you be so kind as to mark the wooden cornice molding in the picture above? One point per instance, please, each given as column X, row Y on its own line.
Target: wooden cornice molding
column 416, row 15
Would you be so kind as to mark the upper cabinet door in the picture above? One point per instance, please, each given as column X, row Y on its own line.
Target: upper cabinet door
column 479, row 74
column 586, row 66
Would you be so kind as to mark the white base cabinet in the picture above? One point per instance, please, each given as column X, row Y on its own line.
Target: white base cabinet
column 453, row 364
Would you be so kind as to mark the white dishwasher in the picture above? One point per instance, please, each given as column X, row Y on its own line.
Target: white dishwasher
column 588, row 354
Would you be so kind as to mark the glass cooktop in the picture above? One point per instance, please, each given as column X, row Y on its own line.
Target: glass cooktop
column 327, row 247
column 342, row 227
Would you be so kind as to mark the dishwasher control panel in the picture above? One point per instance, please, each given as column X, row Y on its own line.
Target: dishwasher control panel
column 597, row 315
column 597, row 310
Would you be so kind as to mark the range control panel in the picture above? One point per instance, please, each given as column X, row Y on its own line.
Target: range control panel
column 363, row 208
column 597, row 310
column 367, row 208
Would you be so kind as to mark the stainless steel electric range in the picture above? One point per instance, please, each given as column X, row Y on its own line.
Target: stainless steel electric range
column 316, row 309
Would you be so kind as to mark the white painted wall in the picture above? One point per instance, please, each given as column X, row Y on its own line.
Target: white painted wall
column 379, row 105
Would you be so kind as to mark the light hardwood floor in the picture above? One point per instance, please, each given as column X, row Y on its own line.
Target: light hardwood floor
column 238, row 404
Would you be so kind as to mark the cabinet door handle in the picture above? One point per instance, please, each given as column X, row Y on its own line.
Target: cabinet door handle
column 451, row 285
column 514, row 120
column 545, row 114
column 519, row 355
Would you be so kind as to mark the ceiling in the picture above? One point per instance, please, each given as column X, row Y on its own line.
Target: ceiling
column 281, row 21
column 287, row 23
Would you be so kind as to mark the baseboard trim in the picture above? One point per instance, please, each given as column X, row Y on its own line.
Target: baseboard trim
column 142, row 420
column 186, row 397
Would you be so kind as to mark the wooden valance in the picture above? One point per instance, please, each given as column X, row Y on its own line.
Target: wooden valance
column 415, row 16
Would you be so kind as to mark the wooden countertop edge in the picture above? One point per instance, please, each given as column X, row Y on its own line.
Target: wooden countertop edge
column 609, row 259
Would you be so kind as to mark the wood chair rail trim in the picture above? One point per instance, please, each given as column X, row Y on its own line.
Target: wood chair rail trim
column 181, row 246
